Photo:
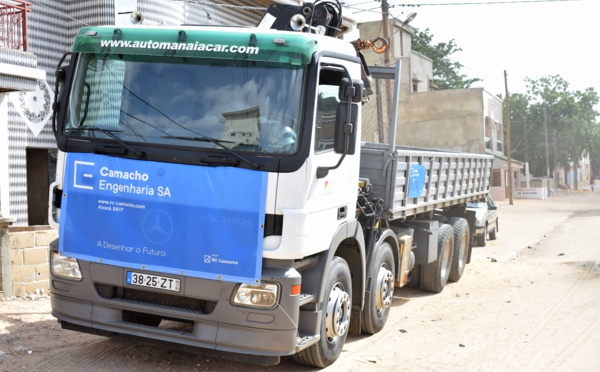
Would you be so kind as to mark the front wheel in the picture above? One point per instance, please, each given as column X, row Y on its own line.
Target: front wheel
column 335, row 318
column 378, row 301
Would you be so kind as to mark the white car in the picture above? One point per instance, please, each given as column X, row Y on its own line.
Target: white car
column 486, row 221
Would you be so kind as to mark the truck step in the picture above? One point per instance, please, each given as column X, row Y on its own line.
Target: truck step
column 306, row 298
column 304, row 341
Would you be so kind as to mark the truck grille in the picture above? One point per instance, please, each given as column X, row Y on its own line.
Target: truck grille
column 196, row 305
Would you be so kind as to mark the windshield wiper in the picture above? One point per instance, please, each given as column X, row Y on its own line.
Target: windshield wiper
column 111, row 133
column 199, row 139
column 219, row 143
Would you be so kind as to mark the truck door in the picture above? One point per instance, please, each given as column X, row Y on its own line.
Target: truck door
column 334, row 196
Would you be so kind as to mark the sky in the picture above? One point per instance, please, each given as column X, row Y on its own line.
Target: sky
column 527, row 38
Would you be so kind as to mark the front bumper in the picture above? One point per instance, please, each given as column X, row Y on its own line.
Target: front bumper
column 200, row 315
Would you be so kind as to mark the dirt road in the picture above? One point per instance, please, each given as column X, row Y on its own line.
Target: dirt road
column 528, row 301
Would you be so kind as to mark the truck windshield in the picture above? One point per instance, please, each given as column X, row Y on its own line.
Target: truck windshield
column 186, row 102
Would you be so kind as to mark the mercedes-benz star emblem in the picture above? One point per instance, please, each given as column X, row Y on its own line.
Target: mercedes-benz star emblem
column 158, row 226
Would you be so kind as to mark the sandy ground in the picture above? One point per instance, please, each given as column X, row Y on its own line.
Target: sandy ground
column 529, row 301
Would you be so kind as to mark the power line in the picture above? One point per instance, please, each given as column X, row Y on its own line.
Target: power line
column 405, row 5
column 57, row 12
column 245, row 7
column 488, row 3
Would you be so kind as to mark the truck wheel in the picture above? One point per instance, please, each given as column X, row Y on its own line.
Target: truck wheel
column 435, row 274
column 461, row 247
column 481, row 241
column 494, row 234
column 335, row 318
column 380, row 293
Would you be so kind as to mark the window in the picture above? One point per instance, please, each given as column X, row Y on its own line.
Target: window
column 488, row 143
column 499, row 146
column 327, row 102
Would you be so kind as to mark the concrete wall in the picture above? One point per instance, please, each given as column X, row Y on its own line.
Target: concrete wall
column 24, row 259
column 443, row 119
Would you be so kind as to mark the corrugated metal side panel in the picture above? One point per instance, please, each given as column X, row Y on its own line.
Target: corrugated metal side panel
column 229, row 13
column 47, row 28
column 171, row 13
column 84, row 13
column 168, row 12
column 451, row 178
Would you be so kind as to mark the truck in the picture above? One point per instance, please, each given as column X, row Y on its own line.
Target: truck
column 213, row 191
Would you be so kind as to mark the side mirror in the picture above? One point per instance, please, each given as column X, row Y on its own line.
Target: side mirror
column 61, row 74
column 351, row 90
column 344, row 141
column 345, row 126
column 347, row 116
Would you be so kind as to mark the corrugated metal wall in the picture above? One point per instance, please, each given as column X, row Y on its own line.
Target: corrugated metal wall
column 47, row 40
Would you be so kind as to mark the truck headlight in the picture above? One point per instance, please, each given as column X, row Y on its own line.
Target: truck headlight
column 64, row 267
column 262, row 295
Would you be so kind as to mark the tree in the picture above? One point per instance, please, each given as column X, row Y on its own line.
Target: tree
column 446, row 73
column 571, row 120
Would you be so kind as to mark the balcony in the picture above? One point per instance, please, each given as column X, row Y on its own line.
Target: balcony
column 13, row 24
column 18, row 66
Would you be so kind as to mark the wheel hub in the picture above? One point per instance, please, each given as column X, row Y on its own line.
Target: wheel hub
column 338, row 313
column 445, row 258
column 385, row 289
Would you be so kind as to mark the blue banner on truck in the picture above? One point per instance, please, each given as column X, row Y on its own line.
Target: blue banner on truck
column 206, row 222
column 416, row 180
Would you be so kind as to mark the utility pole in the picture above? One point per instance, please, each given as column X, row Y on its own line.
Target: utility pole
column 547, row 155
column 510, row 174
column 385, row 24
column 526, row 152
column 555, row 162
column 526, row 141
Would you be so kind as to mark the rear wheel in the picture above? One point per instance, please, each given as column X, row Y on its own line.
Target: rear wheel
column 378, row 301
column 335, row 318
column 435, row 274
column 461, row 247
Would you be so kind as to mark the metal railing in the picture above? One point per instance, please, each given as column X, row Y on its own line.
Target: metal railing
column 13, row 24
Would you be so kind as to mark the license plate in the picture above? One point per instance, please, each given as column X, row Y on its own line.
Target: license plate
column 153, row 281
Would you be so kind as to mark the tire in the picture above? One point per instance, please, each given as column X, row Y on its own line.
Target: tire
column 379, row 295
column 461, row 248
column 435, row 274
column 494, row 234
column 335, row 318
column 482, row 239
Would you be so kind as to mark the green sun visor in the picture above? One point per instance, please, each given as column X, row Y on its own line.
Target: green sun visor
column 212, row 43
